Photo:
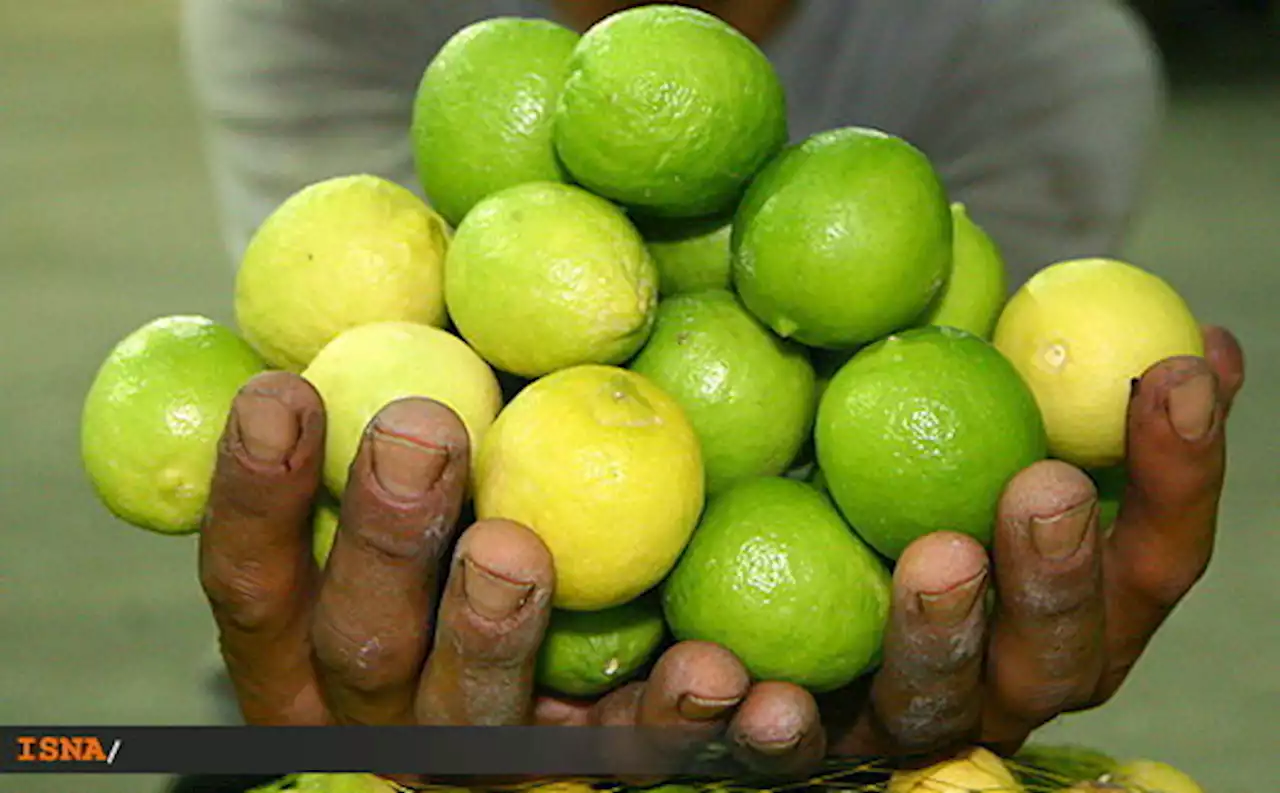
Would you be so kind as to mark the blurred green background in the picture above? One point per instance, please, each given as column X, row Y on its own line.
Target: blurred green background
column 106, row 221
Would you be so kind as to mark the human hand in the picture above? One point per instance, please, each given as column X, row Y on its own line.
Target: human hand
column 374, row 638
column 1076, row 603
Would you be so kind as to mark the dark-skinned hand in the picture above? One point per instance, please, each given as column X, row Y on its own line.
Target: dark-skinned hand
column 412, row 624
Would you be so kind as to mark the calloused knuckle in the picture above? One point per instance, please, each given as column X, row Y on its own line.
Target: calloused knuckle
column 240, row 595
column 364, row 664
column 1048, row 699
column 928, row 722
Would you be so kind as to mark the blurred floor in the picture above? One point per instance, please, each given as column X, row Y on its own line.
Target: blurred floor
column 106, row 221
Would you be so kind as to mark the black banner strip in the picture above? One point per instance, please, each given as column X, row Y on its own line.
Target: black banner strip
column 433, row 751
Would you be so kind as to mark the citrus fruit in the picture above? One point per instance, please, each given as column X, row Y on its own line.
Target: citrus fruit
column 1155, row 776
column 545, row 276
column 748, row 394
column 641, row 122
column 1111, row 484
column 921, row 432
column 483, row 112
column 774, row 575
column 1079, row 331
column 975, row 769
column 324, row 529
column 691, row 255
column 153, row 415
column 337, row 254
column 842, row 238
column 366, row 368
column 606, row 469
column 586, row 653
column 975, row 292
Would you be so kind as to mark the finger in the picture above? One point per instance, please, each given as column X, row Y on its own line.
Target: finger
column 689, row 697
column 927, row 692
column 1164, row 534
column 695, row 685
column 492, row 619
column 1046, row 652
column 1226, row 357
column 255, row 565
column 399, row 515
column 558, row 712
column 777, row 731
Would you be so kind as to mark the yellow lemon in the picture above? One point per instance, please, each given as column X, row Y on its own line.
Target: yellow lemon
column 1154, row 776
column 366, row 368
column 335, row 255
column 607, row 469
column 1078, row 332
column 974, row 770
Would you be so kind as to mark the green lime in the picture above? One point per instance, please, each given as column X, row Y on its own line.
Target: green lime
column 1111, row 483
column 337, row 254
column 921, row 432
column 774, row 575
column 153, row 415
column 692, row 255
column 668, row 110
column 978, row 286
column 748, row 394
column 483, row 114
column 586, row 653
column 324, row 528
column 544, row 276
column 842, row 239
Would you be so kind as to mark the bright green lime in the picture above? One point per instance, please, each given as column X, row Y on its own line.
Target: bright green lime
column 152, row 418
column 921, row 432
column 668, row 110
column 544, row 276
column 775, row 575
column 842, row 239
column 748, row 394
column 324, row 528
column 1111, row 483
column 978, row 286
column 691, row 255
column 586, row 653
column 482, row 118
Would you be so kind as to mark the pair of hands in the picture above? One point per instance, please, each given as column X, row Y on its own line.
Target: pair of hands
column 416, row 622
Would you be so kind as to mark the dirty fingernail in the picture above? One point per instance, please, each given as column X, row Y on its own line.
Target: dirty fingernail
column 404, row 466
column 268, row 429
column 775, row 748
column 953, row 605
column 1191, row 406
column 1059, row 536
column 696, row 708
column 490, row 595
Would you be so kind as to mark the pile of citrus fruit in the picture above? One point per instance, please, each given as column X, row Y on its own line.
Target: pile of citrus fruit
column 727, row 378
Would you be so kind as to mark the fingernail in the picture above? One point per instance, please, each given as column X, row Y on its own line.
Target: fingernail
column 953, row 605
column 1191, row 406
column 696, row 708
column 490, row 595
column 268, row 429
column 403, row 466
column 1059, row 536
column 774, row 748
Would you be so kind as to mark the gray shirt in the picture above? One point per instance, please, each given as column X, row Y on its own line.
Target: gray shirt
column 1038, row 113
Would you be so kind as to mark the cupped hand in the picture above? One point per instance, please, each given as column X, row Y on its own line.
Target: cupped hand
column 369, row 641
column 412, row 621
column 1075, row 603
